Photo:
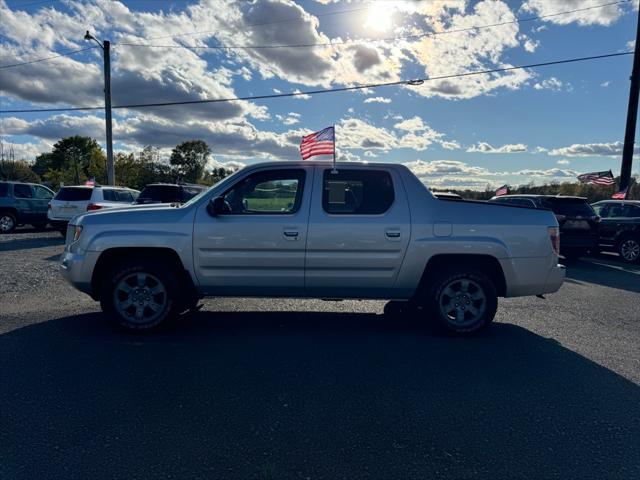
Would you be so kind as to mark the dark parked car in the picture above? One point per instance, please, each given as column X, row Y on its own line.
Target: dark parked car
column 577, row 220
column 620, row 227
column 169, row 193
column 23, row 203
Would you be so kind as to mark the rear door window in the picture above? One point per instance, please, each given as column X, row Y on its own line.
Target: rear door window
column 357, row 192
column 124, row 196
column 4, row 189
column 632, row 211
column 109, row 195
column 74, row 194
column 21, row 190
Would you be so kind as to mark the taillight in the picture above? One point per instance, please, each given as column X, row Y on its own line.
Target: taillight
column 93, row 206
column 49, row 206
column 554, row 237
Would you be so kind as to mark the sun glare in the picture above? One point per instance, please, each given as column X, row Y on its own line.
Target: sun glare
column 379, row 17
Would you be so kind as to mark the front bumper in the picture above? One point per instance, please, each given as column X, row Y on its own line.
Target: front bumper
column 77, row 267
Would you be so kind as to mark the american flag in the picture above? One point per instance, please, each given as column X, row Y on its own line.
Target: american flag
column 621, row 195
column 91, row 182
column 503, row 190
column 597, row 178
column 318, row 143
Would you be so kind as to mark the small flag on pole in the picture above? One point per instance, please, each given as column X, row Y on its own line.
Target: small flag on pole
column 503, row 190
column 621, row 195
column 319, row 143
column 91, row 182
column 597, row 178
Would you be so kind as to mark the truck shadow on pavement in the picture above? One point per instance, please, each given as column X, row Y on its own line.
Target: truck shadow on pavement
column 606, row 271
column 319, row 395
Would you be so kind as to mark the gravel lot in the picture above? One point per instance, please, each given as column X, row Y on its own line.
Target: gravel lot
column 321, row 390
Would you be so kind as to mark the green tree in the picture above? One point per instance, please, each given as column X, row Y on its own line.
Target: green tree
column 189, row 159
column 72, row 161
column 17, row 170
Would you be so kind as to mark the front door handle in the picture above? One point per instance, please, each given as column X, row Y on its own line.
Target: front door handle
column 392, row 233
column 291, row 234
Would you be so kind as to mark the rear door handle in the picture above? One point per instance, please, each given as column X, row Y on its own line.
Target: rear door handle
column 392, row 233
column 291, row 234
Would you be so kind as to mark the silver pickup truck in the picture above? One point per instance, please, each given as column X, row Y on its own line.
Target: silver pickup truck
column 305, row 229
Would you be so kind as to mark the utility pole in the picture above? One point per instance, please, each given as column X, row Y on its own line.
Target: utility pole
column 632, row 115
column 106, row 55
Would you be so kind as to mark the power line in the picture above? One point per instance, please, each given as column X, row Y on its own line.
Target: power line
column 367, row 41
column 413, row 82
column 60, row 54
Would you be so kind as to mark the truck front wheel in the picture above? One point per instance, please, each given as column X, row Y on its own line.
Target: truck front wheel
column 140, row 294
column 462, row 301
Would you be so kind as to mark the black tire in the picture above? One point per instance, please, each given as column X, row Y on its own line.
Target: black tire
column 129, row 272
column 476, row 292
column 8, row 222
column 629, row 249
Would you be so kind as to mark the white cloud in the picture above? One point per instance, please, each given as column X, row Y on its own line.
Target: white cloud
column 484, row 147
column 290, row 118
column 597, row 16
column 377, row 100
column 471, row 50
column 564, row 162
column 551, row 83
column 605, row 84
column 590, row 150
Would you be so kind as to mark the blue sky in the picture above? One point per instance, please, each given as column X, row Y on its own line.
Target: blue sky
column 526, row 125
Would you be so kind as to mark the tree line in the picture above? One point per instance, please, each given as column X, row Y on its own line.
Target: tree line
column 592, row 193
column 74, row 160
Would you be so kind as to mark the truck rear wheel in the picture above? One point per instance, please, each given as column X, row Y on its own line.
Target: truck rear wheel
column 461, row 301
column 140, row 295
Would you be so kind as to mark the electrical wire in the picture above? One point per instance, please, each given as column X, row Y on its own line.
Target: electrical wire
column 412, row 82
column 366, row 41
column 60, row 54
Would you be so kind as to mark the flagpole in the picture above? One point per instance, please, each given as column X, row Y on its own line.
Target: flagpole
column 334, row 149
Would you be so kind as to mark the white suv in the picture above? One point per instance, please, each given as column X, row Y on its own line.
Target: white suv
column 71, row 201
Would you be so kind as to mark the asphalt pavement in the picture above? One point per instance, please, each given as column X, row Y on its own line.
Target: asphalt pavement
column 270, row 389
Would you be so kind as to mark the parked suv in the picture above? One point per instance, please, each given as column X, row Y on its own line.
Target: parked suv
column 620, row 227
column 578, row 222
column 169, row 192
column 73, row 200
column 22, row 203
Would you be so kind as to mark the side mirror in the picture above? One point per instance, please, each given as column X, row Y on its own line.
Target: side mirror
column 216, row 206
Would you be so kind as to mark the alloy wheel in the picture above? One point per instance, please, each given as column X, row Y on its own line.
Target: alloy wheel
column 6, row 223
column 630, row 250
column 140, row 298
column 462, row 302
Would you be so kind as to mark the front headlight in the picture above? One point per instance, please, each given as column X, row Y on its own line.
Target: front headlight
column 77, row 230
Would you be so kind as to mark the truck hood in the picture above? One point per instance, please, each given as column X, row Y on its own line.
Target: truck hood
column 129, row 214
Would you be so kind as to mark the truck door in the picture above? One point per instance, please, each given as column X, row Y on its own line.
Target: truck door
column 359, row 229
column 257, row 246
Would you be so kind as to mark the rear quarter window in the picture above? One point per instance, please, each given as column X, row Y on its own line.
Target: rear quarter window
column 74, row 194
